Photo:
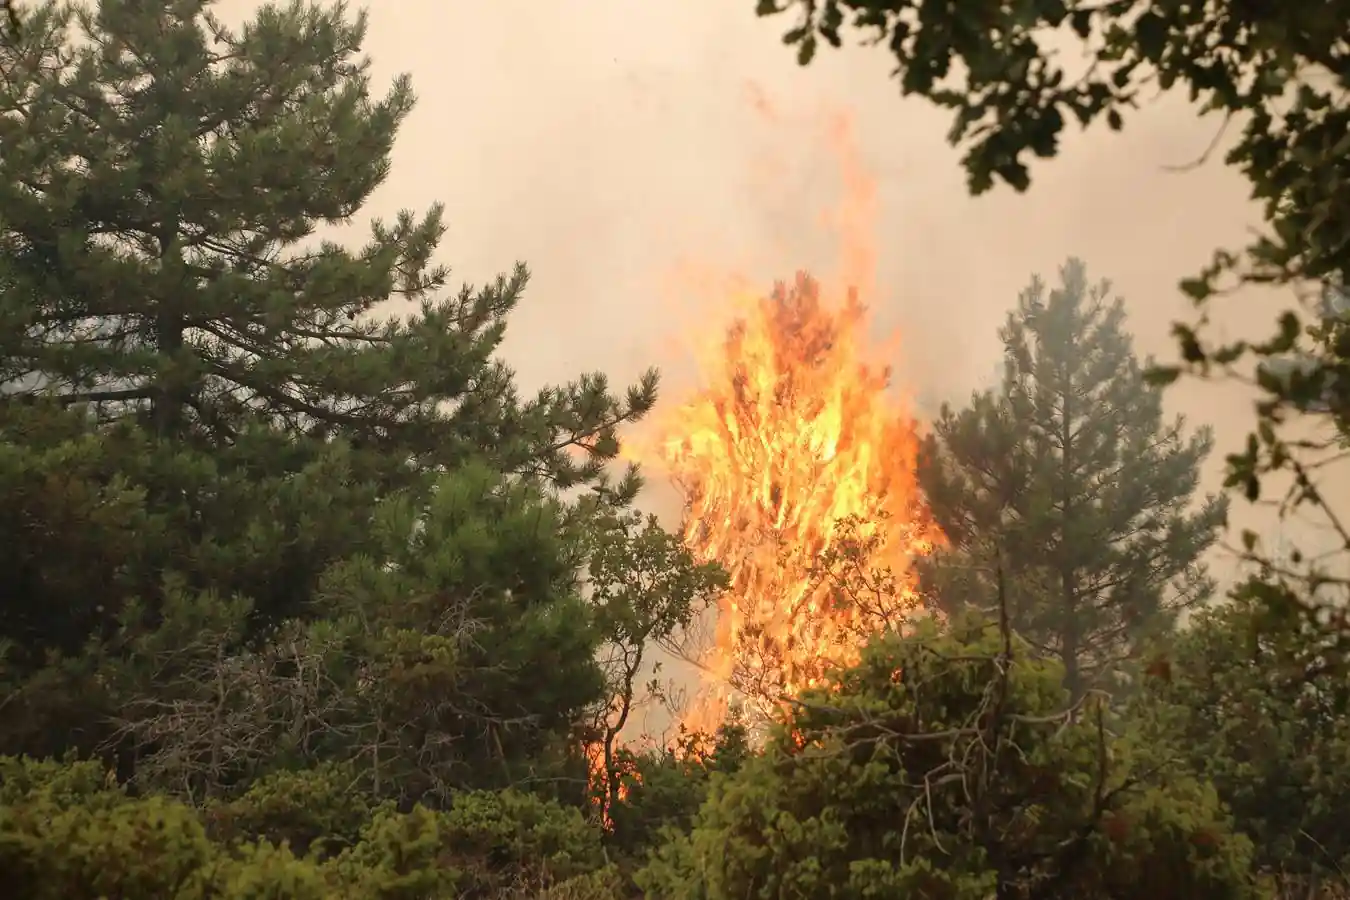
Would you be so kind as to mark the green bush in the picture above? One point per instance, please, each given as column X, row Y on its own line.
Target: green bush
column 67, row 832
column 945, row 766
column 1251, row 718
column 509, row 837
column 665, row 788
column 314, row 809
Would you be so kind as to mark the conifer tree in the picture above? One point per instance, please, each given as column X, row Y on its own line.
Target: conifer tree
column 1069, row 483
column 178, row 321
column 164, row 186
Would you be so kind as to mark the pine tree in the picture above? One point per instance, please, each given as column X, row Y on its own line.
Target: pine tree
column 162, row 193
column 1068, row 484
column 163, row 186
column 230, row 379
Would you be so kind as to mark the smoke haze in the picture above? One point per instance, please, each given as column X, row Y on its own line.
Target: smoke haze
column 608, row 142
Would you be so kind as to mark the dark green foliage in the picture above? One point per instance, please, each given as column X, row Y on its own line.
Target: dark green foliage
column 945, row 766
column 509, row 834
column 320, row 810
column 1068, row 483
column 664, row 789
column 94, row 495
column 488, row 845
column 313, row 597
column 159, row 209
column 1269, row 734
column 73, row 527
column 304, row 574
column 174, row 276
column 204, row 405
column 425, row 672
column 67, row 496
column 473, row 637
column 66, row 831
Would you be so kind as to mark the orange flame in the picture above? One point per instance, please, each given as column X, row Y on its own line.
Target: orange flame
column 794, row 434
column 624, row 775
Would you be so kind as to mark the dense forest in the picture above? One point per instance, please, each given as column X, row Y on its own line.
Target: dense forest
column 305, row 599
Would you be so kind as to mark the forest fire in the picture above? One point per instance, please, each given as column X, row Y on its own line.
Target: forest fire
column 796, row 463
column 793, row 439
column 795, row 455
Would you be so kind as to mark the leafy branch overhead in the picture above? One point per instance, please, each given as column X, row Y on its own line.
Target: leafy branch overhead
column 1274, row 78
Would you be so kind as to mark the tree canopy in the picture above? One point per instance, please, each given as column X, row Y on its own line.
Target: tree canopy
column 1068, row 482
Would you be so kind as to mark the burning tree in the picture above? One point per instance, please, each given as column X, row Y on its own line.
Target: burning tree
column 797, row 467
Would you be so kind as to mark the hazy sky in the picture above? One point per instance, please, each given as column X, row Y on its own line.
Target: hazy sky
column 604, row 141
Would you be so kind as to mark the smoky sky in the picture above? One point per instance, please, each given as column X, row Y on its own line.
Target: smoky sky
column 604, row 141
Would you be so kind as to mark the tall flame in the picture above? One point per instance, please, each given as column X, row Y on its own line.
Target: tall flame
column 794, row 437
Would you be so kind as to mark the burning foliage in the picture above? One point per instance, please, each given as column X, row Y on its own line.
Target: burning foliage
column 797, row 466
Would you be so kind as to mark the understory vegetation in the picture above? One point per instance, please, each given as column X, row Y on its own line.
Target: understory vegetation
column 302, row 598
